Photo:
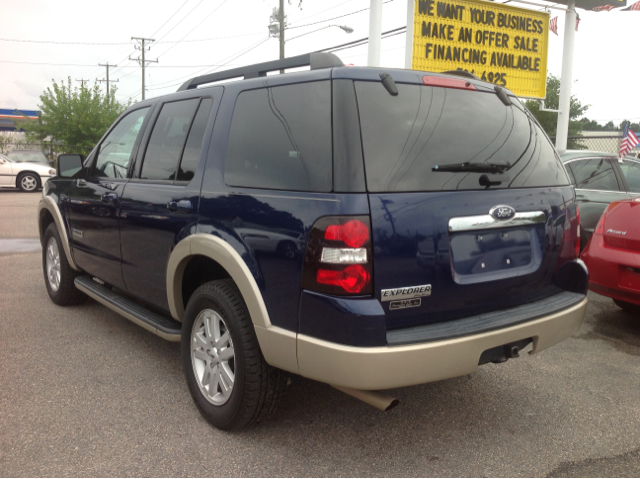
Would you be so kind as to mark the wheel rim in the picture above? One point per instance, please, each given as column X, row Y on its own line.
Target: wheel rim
column 289, row 251
column 213, row 357
column 28, row 183
column 53, row 264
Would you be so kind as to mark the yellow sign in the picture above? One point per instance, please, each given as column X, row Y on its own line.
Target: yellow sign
column 499, row 44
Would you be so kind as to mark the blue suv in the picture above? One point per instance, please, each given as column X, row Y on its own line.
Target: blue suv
column 368, row 228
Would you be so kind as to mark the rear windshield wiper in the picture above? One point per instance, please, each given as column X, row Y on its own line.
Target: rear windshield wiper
column 494, row 168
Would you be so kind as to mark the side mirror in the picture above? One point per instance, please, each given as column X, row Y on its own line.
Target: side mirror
column 68, row 165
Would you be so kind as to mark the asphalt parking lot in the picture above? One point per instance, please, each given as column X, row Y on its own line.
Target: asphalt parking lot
column 84, row 392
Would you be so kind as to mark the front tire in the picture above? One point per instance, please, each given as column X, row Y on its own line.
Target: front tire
column 28, row 182
column 59, row 276
column 229, row 380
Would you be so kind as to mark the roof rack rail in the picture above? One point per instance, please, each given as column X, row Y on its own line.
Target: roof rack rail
column 314, row 60
column 461, row 73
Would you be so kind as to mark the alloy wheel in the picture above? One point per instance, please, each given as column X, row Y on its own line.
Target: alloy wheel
column 28, row 183
column 53, row 264
column 213, row 357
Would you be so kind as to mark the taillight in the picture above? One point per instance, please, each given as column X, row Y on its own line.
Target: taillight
column 352, row 279
column 338, row 256
column 353, row 233
column 600, row 226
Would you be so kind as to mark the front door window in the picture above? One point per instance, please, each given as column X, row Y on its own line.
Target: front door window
column 115, row 150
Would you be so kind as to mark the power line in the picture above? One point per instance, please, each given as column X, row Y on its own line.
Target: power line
column 61, row 43
column 129, row 43
column 334, row 18
column 91, row 65
column 183, row 18
column 174, row 14
column 362, row 41
column 316, row 14
column 193, row 29
column 226, row 63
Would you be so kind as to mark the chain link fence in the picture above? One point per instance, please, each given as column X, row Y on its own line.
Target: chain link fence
column 607, row 143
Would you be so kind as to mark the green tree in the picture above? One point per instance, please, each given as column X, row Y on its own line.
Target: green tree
column 549, row 121
column 74, row 118
column 632, row 126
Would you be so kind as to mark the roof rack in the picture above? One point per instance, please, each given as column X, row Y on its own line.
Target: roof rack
column 461, row 73
column 314, row 60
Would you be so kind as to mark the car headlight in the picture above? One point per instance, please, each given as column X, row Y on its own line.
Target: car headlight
column 52, row 172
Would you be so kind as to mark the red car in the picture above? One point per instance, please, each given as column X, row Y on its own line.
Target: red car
column 613, row 255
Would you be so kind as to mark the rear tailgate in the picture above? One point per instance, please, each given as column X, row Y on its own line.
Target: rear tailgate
column 430, row 210
column 469, row 271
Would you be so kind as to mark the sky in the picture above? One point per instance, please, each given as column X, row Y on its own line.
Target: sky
column 194, row 37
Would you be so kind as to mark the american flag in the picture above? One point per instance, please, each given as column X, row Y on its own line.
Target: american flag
column 633, row 8
column 577, row 22
column 607, row 8
column 553, row 25
column 629, row 141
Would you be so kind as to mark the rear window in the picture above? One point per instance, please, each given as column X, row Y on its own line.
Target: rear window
column 405, row 136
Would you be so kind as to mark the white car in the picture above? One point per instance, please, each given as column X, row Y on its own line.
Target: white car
column 26, row 176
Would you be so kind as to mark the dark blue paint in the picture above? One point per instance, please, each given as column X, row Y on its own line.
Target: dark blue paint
column 352, row 321
column 98, row 250
column 412, row 247
column 148, row 234
column 254, row 222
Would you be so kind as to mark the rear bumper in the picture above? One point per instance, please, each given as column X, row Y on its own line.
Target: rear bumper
column 388, row 367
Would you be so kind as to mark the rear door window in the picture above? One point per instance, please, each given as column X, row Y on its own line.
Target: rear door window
column 191, row 155
column 594, row 174
column 406, row 136
column 280, row 138
column 631, row 171
column 168, row 139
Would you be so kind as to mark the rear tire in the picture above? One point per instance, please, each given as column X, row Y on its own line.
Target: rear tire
column 229, row 380
column 28, row 182
column 628, row 307
column 59, row 276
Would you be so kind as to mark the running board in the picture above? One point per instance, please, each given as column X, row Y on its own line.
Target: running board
column 161, row 326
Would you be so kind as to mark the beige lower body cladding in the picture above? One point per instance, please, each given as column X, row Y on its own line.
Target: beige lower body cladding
column 390, row 367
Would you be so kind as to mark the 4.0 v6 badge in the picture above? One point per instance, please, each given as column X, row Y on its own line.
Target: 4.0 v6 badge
column 406, row 293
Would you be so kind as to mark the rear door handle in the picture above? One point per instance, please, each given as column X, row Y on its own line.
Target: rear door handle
column 110, row 198
column 179, row 206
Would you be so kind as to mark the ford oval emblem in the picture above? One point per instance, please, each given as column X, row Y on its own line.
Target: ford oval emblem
column 502, row 212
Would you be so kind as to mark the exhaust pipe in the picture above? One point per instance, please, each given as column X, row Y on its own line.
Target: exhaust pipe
column 374, row 398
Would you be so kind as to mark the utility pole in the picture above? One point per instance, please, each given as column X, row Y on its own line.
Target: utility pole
column 82, row 81
column 107, row 80
column 277, row 24
column 281, row 22
column 142, row 61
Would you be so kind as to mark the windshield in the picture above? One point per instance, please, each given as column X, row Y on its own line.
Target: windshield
column 406, row 137
column 28, row 156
